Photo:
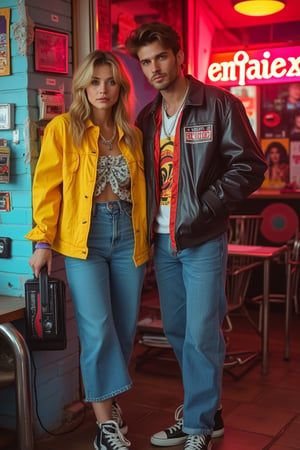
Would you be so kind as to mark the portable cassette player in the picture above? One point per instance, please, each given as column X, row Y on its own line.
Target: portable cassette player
column 45, row 313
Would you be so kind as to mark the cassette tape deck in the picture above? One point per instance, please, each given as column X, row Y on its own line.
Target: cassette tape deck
column 45, row 313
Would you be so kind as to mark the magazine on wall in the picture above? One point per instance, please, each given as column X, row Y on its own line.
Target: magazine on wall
column 295, row 164
column 276, row 151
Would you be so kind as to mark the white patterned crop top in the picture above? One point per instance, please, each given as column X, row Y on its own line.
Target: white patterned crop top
column 114, row 170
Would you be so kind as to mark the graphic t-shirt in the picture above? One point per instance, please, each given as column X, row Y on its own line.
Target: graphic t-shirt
column 167, row 135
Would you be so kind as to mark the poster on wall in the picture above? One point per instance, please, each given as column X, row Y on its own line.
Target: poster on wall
column 276, row 152
column 4, row 42
column 280, row 103
column 248, row 96
column 295, row 164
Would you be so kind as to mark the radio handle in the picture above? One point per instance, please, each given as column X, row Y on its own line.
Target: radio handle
column 43, row 285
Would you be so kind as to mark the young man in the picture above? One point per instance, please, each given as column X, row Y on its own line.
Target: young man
column 201, row 159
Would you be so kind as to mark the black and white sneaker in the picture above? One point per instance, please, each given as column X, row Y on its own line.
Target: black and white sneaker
column 175, row 436
column 218, row 430
column 198, row 442
column 109, row 437
column 117, row 416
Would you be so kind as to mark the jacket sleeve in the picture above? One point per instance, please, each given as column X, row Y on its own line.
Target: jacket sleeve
column 243, row 162
column 47, row 185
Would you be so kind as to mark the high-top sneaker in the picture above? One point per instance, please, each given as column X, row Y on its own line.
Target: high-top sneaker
column 117, row 416
column 109, row 437
column 174, row 434
column 198, row 442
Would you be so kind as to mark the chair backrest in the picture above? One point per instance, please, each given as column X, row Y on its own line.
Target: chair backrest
column 295, row 250
column 244, row 229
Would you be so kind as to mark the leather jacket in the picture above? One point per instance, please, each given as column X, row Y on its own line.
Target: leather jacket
column 217, row 163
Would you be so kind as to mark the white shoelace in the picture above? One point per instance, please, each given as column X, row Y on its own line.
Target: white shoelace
column 194, row 441
column 115, row 438
column 116, row 414
column 179, row 420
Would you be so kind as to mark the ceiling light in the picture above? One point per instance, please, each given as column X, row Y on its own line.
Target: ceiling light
column 258, row 7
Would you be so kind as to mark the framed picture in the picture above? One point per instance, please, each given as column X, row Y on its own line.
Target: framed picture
column 50, row 51
column 276, row 152
column 249, row 97
column 7, row 121
column 280, row 105
column 4, row 42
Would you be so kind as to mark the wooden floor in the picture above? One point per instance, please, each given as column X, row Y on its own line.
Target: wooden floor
column 260, row 412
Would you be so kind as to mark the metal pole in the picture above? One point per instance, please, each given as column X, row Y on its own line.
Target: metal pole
column 23, row 385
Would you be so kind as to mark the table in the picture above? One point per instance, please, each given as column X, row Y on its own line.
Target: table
column 267, row 254
column 12, row 308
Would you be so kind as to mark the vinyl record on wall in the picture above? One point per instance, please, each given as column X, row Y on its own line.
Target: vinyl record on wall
column 280, row 223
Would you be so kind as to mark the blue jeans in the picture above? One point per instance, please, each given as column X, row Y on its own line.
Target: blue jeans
column 106, row 289
column 191, row 287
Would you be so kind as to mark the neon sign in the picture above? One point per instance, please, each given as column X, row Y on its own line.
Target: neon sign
column 255, row 67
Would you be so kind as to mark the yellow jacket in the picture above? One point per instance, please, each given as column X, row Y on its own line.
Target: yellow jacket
column 63, row 189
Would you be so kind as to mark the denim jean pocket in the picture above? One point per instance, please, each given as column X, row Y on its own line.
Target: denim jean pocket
column 126, row 208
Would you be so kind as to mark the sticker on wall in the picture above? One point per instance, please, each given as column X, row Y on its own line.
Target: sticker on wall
column 280, row 223
column 4, row 201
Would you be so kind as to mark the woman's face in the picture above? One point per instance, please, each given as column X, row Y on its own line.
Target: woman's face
column 103, row 91
column 274, row 155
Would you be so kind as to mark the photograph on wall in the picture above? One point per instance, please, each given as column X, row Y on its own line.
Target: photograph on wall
column 277, row 156
column 295, row 128
column 295, row 164
column 50, row 51
column 248, row 96
column 279, row 105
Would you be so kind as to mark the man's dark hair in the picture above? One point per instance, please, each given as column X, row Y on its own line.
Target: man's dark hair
column 151, row 32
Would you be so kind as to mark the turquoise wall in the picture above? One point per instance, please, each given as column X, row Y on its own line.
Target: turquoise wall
column 14, row 224
column 57, row 379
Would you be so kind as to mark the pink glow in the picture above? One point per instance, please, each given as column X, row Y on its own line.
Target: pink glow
column 274, row 65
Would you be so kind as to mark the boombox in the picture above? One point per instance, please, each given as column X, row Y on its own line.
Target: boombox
column 45, row 313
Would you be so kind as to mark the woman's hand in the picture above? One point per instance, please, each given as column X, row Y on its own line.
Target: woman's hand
column 40, row 258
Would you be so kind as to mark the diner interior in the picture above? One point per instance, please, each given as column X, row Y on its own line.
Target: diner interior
column 261, row 395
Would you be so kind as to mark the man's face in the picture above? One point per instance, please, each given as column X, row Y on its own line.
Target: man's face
column 160, row 66
column 294, row 91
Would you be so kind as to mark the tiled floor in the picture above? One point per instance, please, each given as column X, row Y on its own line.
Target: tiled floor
column 260, row 412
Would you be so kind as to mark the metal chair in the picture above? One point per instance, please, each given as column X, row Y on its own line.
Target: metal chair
column 295, row 272
column 294, row 261
column 243, row 230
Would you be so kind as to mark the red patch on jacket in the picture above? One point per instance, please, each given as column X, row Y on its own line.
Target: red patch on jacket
column 198, row 134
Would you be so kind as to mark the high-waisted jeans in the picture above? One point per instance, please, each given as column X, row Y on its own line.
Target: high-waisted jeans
column 191, row 287
column 106, row 289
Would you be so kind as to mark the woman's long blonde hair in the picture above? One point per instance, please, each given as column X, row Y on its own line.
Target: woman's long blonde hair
column 80, row 109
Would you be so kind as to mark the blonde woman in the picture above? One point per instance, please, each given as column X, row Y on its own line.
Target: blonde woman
column 89, row 205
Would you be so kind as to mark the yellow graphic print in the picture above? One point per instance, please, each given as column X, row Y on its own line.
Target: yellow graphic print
column 166, row 171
